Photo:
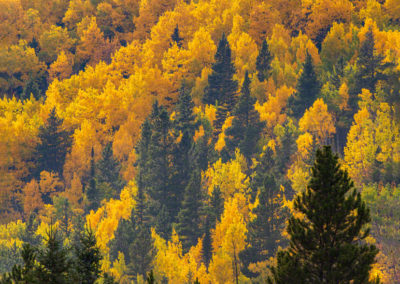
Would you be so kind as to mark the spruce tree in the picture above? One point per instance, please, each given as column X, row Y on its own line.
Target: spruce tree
column 246, row 128
column 264, row 231
column 207, row 243
column 185, row 125
column 92, row 193
column 176, row 37
column 108, row 177
column 141, row 251
column 54, row 263
column 160, row 169
column 308, row 88
column 326, row 246
column 221, row 89
column 88, row 257
column 53, row 145
column 263, row 63
column 189, row 215
column 370, row 69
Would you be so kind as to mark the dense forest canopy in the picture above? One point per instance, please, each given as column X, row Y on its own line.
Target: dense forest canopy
column 179, row 136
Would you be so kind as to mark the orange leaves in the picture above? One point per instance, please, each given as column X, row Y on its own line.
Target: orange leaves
column 32, row 199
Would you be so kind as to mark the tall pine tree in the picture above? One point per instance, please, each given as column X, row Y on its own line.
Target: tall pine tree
column 263, row 63
column 326, row 244
column 53, row 145
column 93, row 196
column 189, row 215
column 246, row 128
column 308, row 88
column 222, row 88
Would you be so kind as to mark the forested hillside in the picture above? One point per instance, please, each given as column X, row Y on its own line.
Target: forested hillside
column 174, row 136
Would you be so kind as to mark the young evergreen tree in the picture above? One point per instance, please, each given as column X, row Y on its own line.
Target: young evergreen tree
column 53, row 145
column 222, row 88
column 27, row 273
column 308, row 88
column 160, row 168
column 370, row 69
column 263, row 63
column 93, row 195
column 109, row 180
column 246, row 128
column 88, row 257
column 189, row 215
column 141, row 251
column 176, row 37
column 185, row 126
column 264, row 231
column 326, row 245
column 54, row 263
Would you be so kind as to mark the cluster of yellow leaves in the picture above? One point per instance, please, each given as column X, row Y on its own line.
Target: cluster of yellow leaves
column 10, row 233
column 179, row 268
column 104, row 222
column 374, row 136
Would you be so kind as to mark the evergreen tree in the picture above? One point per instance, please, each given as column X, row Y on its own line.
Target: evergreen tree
column 185, row 125
column 92, row 193
column 88, row 257
column 26, row 273
column 160, row 168
column 246, row 128
column 326, row 245
column 141, row 251
column 54, row 263
column 176, row 37
column 108, row 178
column 163, row 222
column 308, row 88
column 221, row 89
column 207, row 244
column 216, row 206
column 189, row 215
column 263, row 63
column 264, row 231
column 124, row 235
column 53, row 145
column 64, row 214
column 370, row 69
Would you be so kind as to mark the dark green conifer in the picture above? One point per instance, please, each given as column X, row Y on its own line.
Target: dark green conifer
column 263, row 63
column 326, row 246
column 92, row 193
column 109, row 181
column 246, row 128
column 141, row 251
column 176, row 37
column 150, row 278
column 54, row 263
column 308, row 88
column 189, row 215
column 88, row 257
column 53, row 145
column 221, row 89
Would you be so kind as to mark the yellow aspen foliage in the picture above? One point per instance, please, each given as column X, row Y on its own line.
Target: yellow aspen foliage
column 52, row 42
column 119, row 269
column 32, row 199
column 74, row 193
column 304, row 145
column 392, row 7
column 33, row 25
column 324, row 13
column 93, row 47
column 77, row 10
column 319, row 122
column 201, row 50
column 272, row 111
column 220, row 144
column 10, row 234
column 50, row 183
column 104, row 222
column 299, row 47
column 229, row 239
column 198, row 133
column 299, row 176
column 374, row 10
column 11, row 13
column 279, row 43
column 262, row 20
column 61, row 68
column 344, row 97
column 170, row 262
